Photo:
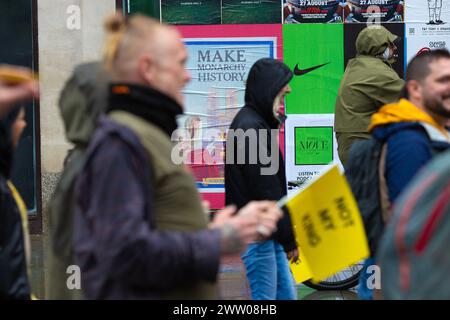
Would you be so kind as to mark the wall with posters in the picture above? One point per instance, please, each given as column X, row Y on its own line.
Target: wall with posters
column 316, row 38
column 195, row 12
column 219, row 60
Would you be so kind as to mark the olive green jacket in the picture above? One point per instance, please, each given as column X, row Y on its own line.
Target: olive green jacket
column 369, row 82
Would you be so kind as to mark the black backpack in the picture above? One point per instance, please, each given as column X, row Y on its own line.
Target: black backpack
column 365, row 175
column 366, row 162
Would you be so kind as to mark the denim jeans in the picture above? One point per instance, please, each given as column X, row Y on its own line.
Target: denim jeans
column 268, row 272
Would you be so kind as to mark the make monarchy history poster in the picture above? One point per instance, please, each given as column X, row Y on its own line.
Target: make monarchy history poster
column 219, row 62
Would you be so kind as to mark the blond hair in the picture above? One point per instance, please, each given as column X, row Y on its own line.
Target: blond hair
column 126, row 38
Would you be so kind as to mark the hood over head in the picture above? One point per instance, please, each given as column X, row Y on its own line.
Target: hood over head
column 265, row 80
column 373, row 40
column 83, row 98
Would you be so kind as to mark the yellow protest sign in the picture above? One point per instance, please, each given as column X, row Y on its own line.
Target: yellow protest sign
column 328, row 227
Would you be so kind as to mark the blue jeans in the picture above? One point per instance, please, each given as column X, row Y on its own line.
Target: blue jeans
column 268, row 272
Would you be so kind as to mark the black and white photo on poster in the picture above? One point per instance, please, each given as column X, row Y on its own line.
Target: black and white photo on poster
column 432, row 12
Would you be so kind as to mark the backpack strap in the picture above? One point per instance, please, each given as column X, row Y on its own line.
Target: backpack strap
column 434, row 135
column 384, row 195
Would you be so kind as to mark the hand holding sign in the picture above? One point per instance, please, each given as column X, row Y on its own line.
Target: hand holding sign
column 16, row 85
column 328, row 227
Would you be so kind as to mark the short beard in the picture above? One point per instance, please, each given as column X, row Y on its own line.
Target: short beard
column 437, row 108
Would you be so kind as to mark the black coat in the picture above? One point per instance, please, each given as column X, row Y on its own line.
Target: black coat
column 244, row 182
column 13, row 268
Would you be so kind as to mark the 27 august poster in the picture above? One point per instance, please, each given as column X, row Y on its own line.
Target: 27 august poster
column 312, row 11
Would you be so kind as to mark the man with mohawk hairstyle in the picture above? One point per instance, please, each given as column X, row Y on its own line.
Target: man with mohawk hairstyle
column 140, row 231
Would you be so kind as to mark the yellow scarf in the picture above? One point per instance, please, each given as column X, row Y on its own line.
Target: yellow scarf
column 26, row 234
column 403, row 111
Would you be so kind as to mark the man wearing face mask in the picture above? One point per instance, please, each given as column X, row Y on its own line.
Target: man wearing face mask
column 257, row 179
column 369, row 82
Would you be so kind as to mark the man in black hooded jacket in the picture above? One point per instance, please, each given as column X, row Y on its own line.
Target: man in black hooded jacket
column 261, row 176
column 14, row 282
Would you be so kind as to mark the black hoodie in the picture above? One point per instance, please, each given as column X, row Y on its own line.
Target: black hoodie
column 13, row 268
column 244, row 182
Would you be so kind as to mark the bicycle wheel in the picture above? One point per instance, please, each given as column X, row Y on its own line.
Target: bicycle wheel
column 331, row 295
column 343, row 280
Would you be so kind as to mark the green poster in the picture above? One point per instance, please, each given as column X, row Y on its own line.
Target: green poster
column 315, row 52
column 148, row 7
column 251, row 11
column 191, row 11
column 313, row 145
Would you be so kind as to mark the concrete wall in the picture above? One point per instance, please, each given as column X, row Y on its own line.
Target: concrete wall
column 62, row 45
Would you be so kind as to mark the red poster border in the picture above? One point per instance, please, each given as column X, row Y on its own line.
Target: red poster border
column 217, row 200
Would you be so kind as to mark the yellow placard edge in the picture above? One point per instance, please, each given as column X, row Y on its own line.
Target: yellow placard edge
column 283, row 201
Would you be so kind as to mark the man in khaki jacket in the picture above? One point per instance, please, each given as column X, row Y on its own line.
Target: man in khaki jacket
column 369, row 82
